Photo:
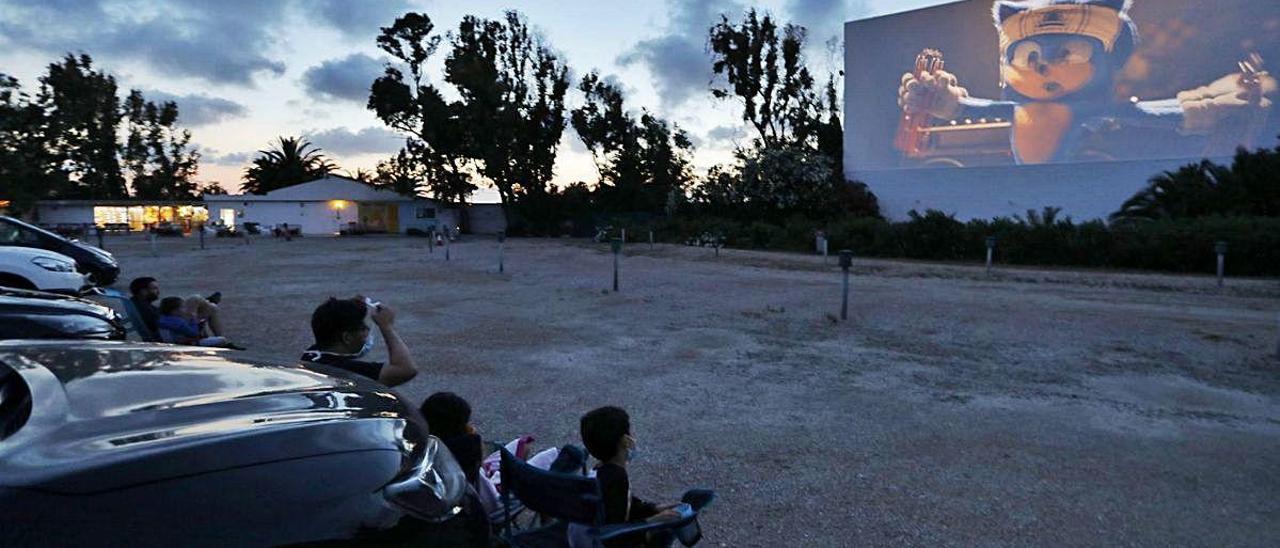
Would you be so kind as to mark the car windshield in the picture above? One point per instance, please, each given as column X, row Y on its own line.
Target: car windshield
column 15, row 232
column 15, row 401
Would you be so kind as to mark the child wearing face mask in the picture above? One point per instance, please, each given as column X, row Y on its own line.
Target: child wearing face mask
column 606, row 432
column 343, row 337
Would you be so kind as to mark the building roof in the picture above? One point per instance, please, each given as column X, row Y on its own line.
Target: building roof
column 330, row 187
column 123, row 202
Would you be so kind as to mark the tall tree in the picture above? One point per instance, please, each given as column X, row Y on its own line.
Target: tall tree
column 513, row 89
column 436, row 148
column 404, row 174
column 641, row 163
column 29, row 170
column 289, row 162
column 764, row 68
column 84, row 116
column 157, row 154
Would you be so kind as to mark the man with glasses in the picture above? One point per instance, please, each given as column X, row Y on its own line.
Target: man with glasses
column 343, row 337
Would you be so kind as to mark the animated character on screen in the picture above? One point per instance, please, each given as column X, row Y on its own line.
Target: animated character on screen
column 1058, row 63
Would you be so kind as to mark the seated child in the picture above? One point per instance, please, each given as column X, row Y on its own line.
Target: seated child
column 178, row 324
column 449, row 418
column 607, row 434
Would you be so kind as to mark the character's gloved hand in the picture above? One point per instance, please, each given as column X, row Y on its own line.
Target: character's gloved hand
column 936, row 94
column 1231, row 96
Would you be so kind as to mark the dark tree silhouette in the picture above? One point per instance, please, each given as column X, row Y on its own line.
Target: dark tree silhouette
column 157, row 155
column 641, row 163
column 29, row 170
column 289, row 162
column 435, row 151
column 83, row 118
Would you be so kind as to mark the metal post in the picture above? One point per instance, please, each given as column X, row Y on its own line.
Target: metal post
column 846, row 261
column 502, row 238
column 201, row 236
column 991, row 246
column 431, row 242
column 624, row 235
column 616, row 243
column 1221, row 249
column 151, row 235
column 100, row 231
column 650, row 240
column 446, row 244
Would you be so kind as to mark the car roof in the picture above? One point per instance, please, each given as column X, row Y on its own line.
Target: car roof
column 107, row 415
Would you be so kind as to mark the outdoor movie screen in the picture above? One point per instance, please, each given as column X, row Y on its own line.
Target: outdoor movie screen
column 983, row 82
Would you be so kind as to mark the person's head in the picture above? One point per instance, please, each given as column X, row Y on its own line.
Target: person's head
column 339, row 326
column 447, row 414
column 170, row 306
column 607, row 434
column 145, row 288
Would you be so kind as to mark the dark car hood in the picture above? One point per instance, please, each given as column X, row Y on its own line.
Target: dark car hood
column 52, row 302
column 110, row 415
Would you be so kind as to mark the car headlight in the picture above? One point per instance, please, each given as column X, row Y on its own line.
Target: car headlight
column 434, row 489
column 55, row 265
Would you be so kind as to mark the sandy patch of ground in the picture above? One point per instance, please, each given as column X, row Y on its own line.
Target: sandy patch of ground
column 1029, row 407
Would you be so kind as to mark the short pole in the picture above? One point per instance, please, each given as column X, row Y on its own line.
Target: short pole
column 650, row 240
column 502, row 238
column 846, row 261
column 1278, row 337
column 201, row 236
column 101, row 229
column 624, row 235
column 1221, row 249
column 616, row 243
column 991, row 246
column 446, row 244
column 825, row 244
column 431, row 242
column 151, row 235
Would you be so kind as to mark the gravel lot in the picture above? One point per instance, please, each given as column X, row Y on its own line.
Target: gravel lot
column 1034, row 407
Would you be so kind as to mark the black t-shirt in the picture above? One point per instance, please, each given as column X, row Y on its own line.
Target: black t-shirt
column 150, row 316
column 367, row 369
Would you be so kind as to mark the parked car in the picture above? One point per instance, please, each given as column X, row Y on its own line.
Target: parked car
column 114, row 443
column 38, row 315
column 32, row 268
column 101, row 266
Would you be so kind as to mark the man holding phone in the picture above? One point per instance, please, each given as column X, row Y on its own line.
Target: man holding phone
column 343, row 337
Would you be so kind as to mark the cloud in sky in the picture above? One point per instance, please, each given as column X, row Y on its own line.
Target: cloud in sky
column 198, row 109
column 345, row 79
column 678, row 60
column 225, row 41
column 824, row 19
column 342, row 141
column 357, row 20
column 213, row 156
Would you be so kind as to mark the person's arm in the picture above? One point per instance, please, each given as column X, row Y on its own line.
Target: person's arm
column 400, row 368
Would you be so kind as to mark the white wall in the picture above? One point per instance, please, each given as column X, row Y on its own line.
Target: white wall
column 1084, row 191
column 313, row 217
column 74, row 214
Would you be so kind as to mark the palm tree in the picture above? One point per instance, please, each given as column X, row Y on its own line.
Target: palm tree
column 291, row 161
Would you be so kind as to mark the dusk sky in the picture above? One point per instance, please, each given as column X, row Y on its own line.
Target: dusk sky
column 246, row 71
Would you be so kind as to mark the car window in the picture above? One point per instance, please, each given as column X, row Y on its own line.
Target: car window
column 11, row 234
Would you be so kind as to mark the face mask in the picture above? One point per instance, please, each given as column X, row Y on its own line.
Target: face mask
column 633, row 454
column 368, row 346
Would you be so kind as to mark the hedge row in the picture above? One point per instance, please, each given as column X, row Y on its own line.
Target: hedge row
column 1185, row 245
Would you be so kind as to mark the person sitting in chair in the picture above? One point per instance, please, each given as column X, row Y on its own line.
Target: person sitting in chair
column 449, row 418
column 607, row 434
column 146, row 290
column 178, row 324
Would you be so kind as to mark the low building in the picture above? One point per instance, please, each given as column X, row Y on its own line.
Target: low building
column 331, row 205
column 119, row 214
column 485, row 219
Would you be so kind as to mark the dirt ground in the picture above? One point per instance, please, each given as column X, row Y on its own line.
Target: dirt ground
column 1032, row 407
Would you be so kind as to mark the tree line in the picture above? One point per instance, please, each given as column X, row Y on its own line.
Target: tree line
column 64, row 140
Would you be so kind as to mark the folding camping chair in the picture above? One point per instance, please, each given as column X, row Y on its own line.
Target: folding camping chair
column 575, row 503
column 132, row 315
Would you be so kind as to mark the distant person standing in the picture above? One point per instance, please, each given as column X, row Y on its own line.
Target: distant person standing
column 343, row 337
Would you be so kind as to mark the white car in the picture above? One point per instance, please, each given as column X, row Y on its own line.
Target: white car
column 31, row 268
